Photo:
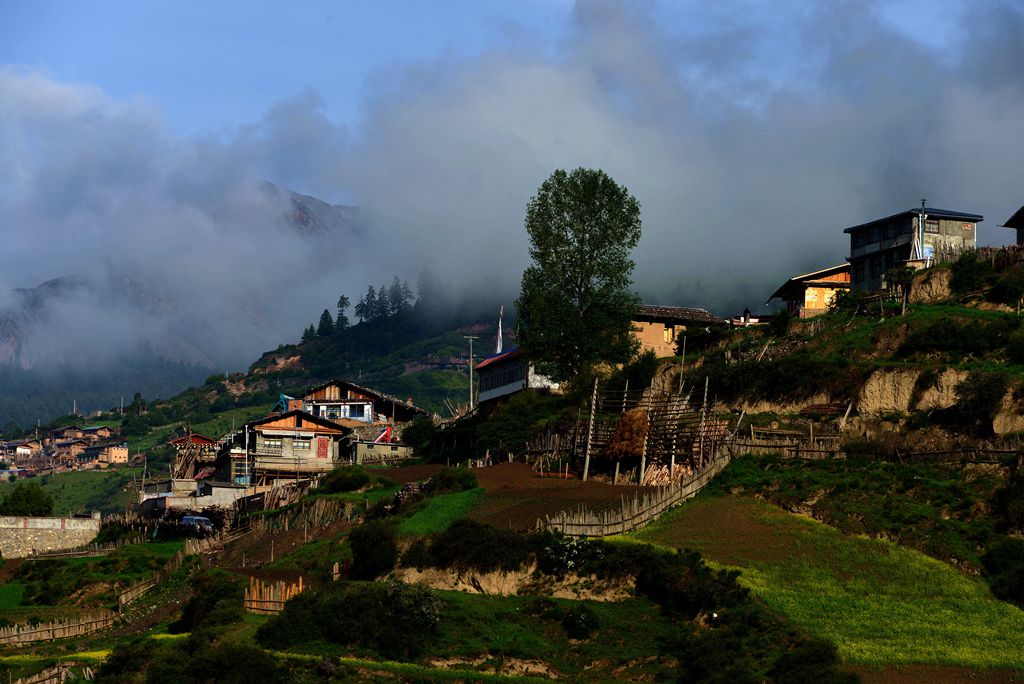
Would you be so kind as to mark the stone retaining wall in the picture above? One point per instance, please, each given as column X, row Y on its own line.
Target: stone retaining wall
column 21, row 536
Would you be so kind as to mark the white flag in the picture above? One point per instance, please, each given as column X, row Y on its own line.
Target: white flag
column 501, row 313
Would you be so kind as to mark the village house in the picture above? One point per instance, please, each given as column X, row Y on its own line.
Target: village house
column 353, row 405
column 25, row 453
column 916, row 238
column 1016, row 222
column 811, row 294
column 97, row 433
column 65, row 452
column 659, row 328
column 103, row 455
column 288, row 446
column 505, row 373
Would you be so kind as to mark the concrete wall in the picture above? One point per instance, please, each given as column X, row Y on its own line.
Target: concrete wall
column 20, row 536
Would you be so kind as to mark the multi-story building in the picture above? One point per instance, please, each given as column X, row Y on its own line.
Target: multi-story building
column 917, row 237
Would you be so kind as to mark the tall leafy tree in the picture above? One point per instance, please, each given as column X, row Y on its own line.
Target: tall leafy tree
column 575, row 305
column 341, row 320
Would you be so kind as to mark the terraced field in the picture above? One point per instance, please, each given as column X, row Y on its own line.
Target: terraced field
column 879, row 602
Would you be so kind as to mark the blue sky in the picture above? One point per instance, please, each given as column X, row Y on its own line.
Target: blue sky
column 208, row 65
column 213, row 65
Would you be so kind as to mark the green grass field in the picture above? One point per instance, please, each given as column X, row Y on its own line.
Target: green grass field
column 879, row 602
column 440, row 512
column 85, row 490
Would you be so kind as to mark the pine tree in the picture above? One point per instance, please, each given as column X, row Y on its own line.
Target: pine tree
column 383, row 309
column 326, row 326
column 367, row 306
column 398, row 296
column 341, row 320
column 309, row 334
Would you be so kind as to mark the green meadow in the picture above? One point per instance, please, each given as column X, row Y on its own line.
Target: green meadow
column 879, row 602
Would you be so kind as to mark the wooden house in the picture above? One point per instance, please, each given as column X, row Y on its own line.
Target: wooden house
column 66, row 451
column 917, row 238
column 289, row 445
column 98, row 432
column 658, row 328
column 103, row 455
column 811, row 294
column 506, row 373
column 340, row 400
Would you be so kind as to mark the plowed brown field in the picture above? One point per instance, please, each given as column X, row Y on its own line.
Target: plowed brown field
column 516, row 497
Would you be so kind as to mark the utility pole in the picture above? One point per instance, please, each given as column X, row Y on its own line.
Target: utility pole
column 470, row 338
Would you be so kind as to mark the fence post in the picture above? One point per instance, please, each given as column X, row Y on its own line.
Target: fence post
column 590, row 432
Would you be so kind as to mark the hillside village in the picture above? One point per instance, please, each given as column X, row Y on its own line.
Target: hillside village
column 519, row 499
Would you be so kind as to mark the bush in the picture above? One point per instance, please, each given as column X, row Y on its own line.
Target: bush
column 1004, row 570
column 638, row 373
column 970, row 273
column 216, row 601
column 468, row 545
column 395, row 619
column 580, row 622
column 811, row 660
column 452, row 480
column 374, row 551
column 27, row 498
column 978, row 399
column 419, row 433
column 344, row 479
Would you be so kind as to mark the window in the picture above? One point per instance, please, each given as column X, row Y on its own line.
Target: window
column 356, row 410
column 931, row 226
column 670, row 333
column 301, row 444
column 271, row 443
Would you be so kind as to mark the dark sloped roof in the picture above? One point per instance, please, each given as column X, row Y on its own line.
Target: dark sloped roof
column 931, row 211
column 812, row 277
column 1015, row 221
column 679, row 314
column 383, row 396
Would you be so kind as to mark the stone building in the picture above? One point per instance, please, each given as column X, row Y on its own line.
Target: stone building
column 659, row 328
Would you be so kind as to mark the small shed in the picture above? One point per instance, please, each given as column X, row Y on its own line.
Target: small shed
column 811, row 294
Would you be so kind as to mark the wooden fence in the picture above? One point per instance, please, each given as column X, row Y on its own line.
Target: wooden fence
column 17, row 635
column 634, row 512
column 268, row 598
column 89, row 550
column 58, row 674
column 139, row 588
column 806, row 450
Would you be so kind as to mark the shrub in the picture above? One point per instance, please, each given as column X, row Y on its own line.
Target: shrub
column 1004, row 570
column 419, row 433
column 452, row 480
column 580, row 622
column 468, row 545
column 374, row 550
column 970, row 273
column 27, row 498
column 638, row 373
column 779, row 325
column 216, row 600
column 1008, row 288
column 395, row 619
column 978, row 399
column 810, row 660
column 344, row 479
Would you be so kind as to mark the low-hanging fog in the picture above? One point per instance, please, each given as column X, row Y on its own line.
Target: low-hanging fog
column 749, row 145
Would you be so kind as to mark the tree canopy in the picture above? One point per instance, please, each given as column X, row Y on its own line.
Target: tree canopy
column 27, row 498
column 576, row 306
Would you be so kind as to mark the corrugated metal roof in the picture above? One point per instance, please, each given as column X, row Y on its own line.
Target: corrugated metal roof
column 495, row 359
column 930, row 211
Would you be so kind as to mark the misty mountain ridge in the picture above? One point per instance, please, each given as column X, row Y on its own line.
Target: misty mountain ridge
column 92, row 324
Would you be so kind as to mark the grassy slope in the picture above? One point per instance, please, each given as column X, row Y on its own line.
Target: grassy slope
column 88, row 490
column 440, row 512
column 879, row 602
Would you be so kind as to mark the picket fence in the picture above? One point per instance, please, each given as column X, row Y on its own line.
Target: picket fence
column 634, row 512
column 16, row 635
column 268, row 598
